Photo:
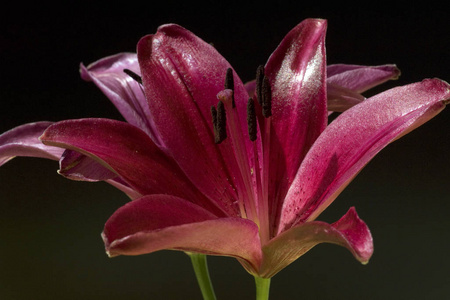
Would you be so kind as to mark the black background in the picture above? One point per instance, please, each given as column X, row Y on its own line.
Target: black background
column 50, row 245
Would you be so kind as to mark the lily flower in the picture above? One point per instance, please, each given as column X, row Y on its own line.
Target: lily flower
column 234, row 169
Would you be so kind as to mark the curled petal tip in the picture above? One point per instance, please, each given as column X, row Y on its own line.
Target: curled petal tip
column 107, row 245
column 396, row 73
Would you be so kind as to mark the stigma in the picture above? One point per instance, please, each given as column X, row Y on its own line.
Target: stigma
column 263, row 107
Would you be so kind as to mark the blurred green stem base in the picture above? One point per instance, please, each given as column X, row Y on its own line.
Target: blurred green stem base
column 262, row 288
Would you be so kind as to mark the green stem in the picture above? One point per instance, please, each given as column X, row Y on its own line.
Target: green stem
column 262, row 288
column 201, row 272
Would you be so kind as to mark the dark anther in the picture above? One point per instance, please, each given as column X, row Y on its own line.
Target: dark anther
column 259, row 83
column 214, row 117
column 219, row 122
column 251, row 119
column 133, row 75
column 266, row 94
column 229, row 83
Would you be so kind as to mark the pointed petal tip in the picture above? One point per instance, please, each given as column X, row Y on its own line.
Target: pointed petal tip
column 322, row 24
column 436, row 86
column 357, row 234
column 84, row 73
column 107, row 245
column 319, row 21
column 169, row 26
column 397, row 72
column 24, row 141
column 349, row 232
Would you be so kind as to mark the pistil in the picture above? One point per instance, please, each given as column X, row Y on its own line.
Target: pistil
column 264, row 97
column 241, row 155
column 253, row 183
column 251, row 119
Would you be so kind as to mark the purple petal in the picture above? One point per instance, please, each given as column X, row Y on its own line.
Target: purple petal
column 182, row 76
column 296, row 71
column 24, row 141
column 250, row 87
column 76, row 166
column 360, row 78
column 124, row 187
column 127, row 151
column 340, row 99
column 354, row 138
column 159, row 222
column 123, row 91
column 350, row 232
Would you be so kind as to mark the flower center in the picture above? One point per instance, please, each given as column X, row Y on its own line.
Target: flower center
column 250, row 153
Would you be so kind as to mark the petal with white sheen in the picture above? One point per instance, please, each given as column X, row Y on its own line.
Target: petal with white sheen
column 353, row 139
column 297, row 72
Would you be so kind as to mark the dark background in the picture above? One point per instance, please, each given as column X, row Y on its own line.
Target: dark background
column 50, row 245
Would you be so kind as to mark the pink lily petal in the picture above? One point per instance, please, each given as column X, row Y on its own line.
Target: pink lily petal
column 296, row 72
column 346, row 82
column 159, row 222
column 182, row 76
column 24, row 141
column 121, row 185
column 340, row 99
column 351, row 140
column 360, row 78
column 123, row 91
column 250, row 87
column 127, row 151
column 76, row 166
column 350, row 232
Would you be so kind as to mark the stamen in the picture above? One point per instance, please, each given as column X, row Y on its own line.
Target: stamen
column 133, row 75
column 251, row 119
column 219, row 122
column 266, row 94
column 214, row 117
column 259, row 83
column 229, row 84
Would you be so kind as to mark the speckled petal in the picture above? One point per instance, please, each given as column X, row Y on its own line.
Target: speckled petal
column 297, row 74
column 353, row 139
column 350, row 232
